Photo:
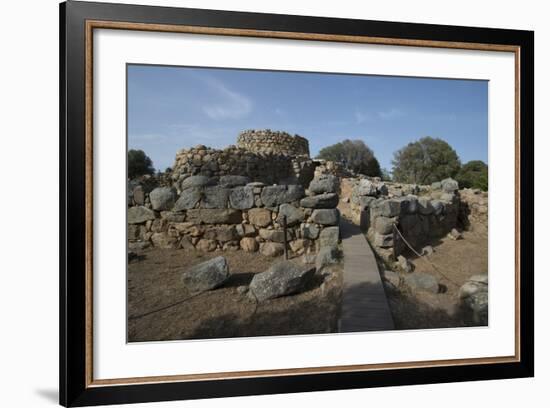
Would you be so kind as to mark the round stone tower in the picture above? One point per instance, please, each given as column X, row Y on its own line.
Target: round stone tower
column 273, row 142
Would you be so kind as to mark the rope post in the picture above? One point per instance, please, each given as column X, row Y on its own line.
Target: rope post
column 284, row 236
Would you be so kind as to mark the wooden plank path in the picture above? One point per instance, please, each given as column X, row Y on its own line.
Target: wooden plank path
column 365, row 306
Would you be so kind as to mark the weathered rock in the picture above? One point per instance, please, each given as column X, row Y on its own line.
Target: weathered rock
column 389, row 208
column 195, row 181
column 404, row 264
column 384, row 225
column 271, row 249
column 242, row 290
column 206, row 275
column 308, row 259
column 309, row 231
column 162, row 198
column 273, row 235
column 139, row 245
column 188, row 199
column 139, row 195
column 326, row 216
column 324, row 183
column 245, row 230
column 214, row 216
column 170, row 216
column 425, row 206
column 419, row 281
column 260, row 217
column 436, row 185
column 366, row 188
column 140, row 214
column 231, row 246
column 478, row 304
column 327, row 255
column 281, row 279
column 249, row 244
column 437, row 206
column 477, row 283
column 242, row 198
column 391, row 280
column 163, row 240
column 186, row 244
column 299, row 245
column 427, row 250
column 293, row 215
column 329, row 237
column 159, row 225
column 206, row 245
column 233, row 181
column 449, row 185
column 226, row 233
column 329, row 200
column 134, row 231
column 455, row 234
column 383, row 241
column 273, row 196
column 215, row 197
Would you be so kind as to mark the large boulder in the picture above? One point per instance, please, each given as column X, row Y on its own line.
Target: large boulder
column 260, row 217
column 478, row 304
column 366, row 188
column 326, row 216
column 214, row 216
column 233, row 181
column 281, row 279
column 271, row 249
column 449, row 185
column 188, row 199
column 273, row 235
column 206, row 275
column 293, row 215
column 389, row 208
column 418, row 281
column 273, row 196
column 309, row 231
column 329, row 200
column 139, row 215
column 162, row 198
column 195, row 181
column 327, row 255
column 242, row 198
column 329, row 236
column 325, row 183
column 384, row 225
column 215, row 197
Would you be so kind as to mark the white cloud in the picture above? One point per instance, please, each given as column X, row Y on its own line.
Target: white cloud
column 230, row 104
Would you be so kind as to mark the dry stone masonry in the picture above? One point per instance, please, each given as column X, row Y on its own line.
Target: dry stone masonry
column 232, row 213
column 418, row 213
column 273, row 142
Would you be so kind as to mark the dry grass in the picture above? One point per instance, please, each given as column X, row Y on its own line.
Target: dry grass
column 160, row 308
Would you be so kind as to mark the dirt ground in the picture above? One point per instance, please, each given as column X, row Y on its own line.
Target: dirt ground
column 160, row 308
column 455, row 261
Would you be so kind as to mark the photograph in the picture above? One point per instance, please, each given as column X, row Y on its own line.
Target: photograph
column 278, row 203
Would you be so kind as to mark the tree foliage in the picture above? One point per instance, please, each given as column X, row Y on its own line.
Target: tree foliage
column 425, row 161
column 139, row 164
column 355, row 155
column 474, row 174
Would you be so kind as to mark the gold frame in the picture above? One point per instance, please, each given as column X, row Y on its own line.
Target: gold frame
column 99, row 24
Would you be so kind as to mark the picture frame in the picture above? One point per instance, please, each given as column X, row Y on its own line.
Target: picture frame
column 78, row 20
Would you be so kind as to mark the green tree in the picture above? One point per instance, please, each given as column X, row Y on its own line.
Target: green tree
column 354, row 154
column 425, row 161
column 386, row 175
column 139, row 164
column 474, row 174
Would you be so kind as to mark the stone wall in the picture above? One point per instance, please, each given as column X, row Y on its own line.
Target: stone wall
column 273, row 142
column 474, row 205
column 233, row 213
column 268, row 168
column 420, row 213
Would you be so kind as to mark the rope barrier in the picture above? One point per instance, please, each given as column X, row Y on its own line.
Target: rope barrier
column 424, row 258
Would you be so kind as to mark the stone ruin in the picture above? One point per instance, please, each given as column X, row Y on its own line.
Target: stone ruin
column 235, row 199
column 263, row 155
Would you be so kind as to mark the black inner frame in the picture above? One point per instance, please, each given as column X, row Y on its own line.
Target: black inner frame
column 73, row 391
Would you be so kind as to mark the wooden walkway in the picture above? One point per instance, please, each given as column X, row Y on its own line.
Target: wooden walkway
column 365, row 307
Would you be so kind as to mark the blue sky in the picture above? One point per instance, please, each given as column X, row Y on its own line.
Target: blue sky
column 170, row 108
